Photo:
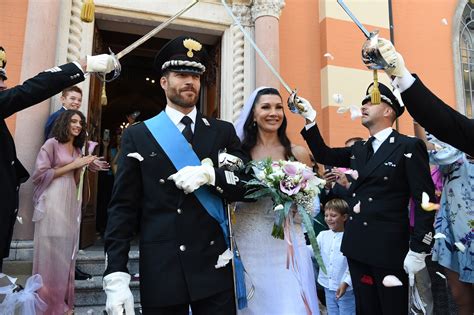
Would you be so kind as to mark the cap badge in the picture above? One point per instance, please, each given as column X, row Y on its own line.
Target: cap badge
column 191, row 45
column 3, row 58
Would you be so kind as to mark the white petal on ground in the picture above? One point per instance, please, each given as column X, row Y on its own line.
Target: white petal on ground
column 356, row 208
column 439, row 235
column 391, row 281
column 135, row 155
column 224, row 259
column 460, row 246
column 338, row 98
column 329, row 56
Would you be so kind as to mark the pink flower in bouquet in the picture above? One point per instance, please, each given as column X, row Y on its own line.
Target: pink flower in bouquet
column 289, row 188
column 290, row 169
column 307, row 174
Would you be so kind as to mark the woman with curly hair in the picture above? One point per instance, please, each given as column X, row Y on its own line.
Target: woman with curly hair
column 57, row 210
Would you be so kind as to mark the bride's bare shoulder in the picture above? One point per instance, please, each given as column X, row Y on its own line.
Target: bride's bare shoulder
column 301, row 154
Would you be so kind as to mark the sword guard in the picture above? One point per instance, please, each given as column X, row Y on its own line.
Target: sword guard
column 117, row 69
column 294, row 103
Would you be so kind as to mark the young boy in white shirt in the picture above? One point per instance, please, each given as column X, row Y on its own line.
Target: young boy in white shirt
column 337, row 282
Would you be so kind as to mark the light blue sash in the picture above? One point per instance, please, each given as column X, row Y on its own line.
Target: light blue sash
column 181, row 154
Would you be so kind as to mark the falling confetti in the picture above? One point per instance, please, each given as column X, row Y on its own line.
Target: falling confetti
column 329, row 56
column 440, row 275
column 356, row 208
column 391, row 281
column 19, row 219
column 338, row 98
column 353, row 109
column 135, row 155
column 408, row 155
column 444, row 21
column 426, row 204
column 460, row 246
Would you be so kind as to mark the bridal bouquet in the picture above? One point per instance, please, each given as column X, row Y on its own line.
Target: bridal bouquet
column 293, row 188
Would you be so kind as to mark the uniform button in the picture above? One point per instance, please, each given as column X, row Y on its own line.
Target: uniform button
column 385, row 178
column 162, row 181
column 179, row 211
column 365, row 223
column 350, row 218
column 211, row 243
column 353, row 194
column 219, row 189
column 182, row 248
column 370, row 199
column 13, row 162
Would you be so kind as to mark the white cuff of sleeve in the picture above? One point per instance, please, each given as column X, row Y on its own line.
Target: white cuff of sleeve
column 403, row 83
column 78, row 65
column 308, row 126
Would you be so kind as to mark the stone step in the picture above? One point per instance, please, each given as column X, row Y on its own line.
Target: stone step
column 93, row 262
column 97, row 310
column 89, row 292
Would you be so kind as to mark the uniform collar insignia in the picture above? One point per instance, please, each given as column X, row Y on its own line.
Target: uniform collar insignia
column 206, row 122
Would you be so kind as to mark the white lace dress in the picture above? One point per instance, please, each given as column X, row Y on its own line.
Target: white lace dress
column 278, row 290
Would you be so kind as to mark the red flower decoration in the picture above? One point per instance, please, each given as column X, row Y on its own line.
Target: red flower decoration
column 367, row 280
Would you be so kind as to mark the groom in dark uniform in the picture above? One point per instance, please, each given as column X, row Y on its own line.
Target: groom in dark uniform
column 31, row 92
column 392, row 168
column 168, row 180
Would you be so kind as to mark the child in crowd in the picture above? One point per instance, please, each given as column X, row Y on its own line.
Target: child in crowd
column 337, row 281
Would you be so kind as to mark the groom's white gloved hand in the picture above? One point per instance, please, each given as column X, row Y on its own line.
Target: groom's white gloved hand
column 190, row 178
column 392, row 57
column 101, row 63
column 307, row 111
column 414, row 262
column 119, row 296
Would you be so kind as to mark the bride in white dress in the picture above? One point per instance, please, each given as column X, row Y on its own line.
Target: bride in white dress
column 278, row 290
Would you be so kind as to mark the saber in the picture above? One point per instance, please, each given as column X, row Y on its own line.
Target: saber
column 259, row 52
column 293, row 101
column 356, row 21
column 154, row 31
column 141, row 40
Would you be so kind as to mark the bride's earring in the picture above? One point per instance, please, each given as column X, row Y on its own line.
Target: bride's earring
column 254, row 124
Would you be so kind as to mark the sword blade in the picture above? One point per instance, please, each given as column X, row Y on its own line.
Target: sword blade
column 356, row 21
column 259, row 52
column 155, row 31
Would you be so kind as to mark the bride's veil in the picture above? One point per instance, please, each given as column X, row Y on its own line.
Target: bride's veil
column 239, row 124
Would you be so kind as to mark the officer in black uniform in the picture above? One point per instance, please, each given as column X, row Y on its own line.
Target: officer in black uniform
column 180, row 242
column 392, row 169
column 31, row 92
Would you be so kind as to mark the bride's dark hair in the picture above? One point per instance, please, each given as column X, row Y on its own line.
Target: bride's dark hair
column 250, row 128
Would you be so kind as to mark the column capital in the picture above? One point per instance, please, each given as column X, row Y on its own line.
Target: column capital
column 267, row 7
column 241, row 10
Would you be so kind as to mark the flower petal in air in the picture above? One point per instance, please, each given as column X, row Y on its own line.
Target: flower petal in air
column 19, row 219
column 444, row 21
column 355, row 112
column 342, row 109
column 391, row 281
column 408, row 155
column 338, row 98
column 439, row 235
column 353, row 173
column 460, row 246
column 426, row 204
column 135, row 155
column 329, row 56
column 356, row 208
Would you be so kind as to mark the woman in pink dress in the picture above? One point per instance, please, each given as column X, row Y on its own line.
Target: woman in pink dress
column 57, row 210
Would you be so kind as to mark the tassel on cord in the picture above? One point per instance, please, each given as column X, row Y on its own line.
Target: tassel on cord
column 87, row 11
column 375, row 94
column 103, row 96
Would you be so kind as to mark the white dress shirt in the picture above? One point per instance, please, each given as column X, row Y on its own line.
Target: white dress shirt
column 176, row 116
column 380, row 137
column 335, row 262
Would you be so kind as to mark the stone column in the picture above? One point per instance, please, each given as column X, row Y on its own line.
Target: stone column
column 243, row 67
column 266, row 14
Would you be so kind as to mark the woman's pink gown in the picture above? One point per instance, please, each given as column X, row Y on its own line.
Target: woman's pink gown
column 57, row 215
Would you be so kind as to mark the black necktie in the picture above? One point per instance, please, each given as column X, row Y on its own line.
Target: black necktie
column 187, row 131
column 370, row 149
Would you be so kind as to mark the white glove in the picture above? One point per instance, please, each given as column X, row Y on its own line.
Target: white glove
column 392, row 57
column 190, row 178
column 101, row 63
column 119, row 296
column 307, row 111
column 414, row 262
